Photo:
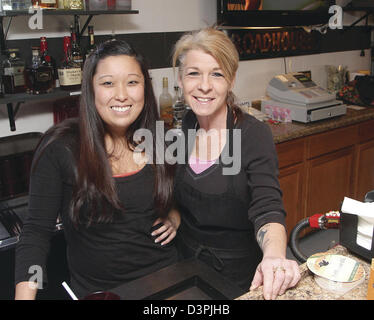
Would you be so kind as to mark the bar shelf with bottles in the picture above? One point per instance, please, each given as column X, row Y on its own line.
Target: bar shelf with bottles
column 14, row 13
column 88, row 7
column 13, row 100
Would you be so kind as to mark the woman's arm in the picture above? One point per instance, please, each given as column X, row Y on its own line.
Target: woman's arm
column 45, row 198
column 275, row 272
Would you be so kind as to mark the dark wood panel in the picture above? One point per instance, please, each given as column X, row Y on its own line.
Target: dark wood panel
column 365, row 170
column 366, row 130
column 291, row 181
column 291, row 152
column 330, row 141
column 330, row 179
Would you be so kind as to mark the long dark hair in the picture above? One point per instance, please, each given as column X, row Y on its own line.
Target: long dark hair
column 94, row 184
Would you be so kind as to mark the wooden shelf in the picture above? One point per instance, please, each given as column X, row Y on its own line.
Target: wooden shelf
column 14, row 13
column 18, row 99
column 25, row 97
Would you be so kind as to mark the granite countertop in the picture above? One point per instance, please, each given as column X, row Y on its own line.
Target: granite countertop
column 308, row 289
column 287, row 131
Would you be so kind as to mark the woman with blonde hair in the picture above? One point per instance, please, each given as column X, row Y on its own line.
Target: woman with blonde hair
column 228, row 192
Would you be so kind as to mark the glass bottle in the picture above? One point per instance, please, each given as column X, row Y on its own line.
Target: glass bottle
column 46, row 59
column 76, row 5
column 76, row 54
column 39, row 76
column 69, row 73
column 123, row 4
column 2, row 59
column 166, row 105
column 47, row 4
column 16, row 4
column 111, row 4
column 7, row 5
column 13, row 77
column 91, row 39
column 179, row 109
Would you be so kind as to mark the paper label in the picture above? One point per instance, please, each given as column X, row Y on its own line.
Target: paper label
column 69, row 77
column 336, row 267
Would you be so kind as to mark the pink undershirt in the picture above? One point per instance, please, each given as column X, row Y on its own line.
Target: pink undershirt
column 125, row 174
column 198, row 165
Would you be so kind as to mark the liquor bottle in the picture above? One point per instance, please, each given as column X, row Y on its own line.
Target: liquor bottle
column 2, row 58
column 111, row 4
column 179, row 108
column 76, row 54
column 13, row 77
column 46, row 59
column 91, row 38
column 166, row 105
column 47, row 4
column 113, row 35
column 6, row 5
column 176, row 94
column 16, row 4
column 123, row 4
column 69, row 72
column 76, row 5
column 39, row 76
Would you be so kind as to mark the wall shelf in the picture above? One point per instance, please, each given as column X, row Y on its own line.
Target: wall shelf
column 19, row 98
column 368, row 11
column 10, row 99
column 59, row 12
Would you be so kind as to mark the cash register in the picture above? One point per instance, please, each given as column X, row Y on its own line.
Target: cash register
column 298, row 96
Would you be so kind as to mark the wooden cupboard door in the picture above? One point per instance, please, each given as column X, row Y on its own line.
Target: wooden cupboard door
column 330, row 179
column 291, row 181
column 365, row 170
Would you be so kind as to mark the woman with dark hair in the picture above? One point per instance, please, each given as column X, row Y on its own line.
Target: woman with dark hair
column 85, row 170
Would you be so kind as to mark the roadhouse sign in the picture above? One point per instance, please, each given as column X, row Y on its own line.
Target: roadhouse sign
column 270, row 43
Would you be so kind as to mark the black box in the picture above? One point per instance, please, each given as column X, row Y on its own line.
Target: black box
column 348, row 236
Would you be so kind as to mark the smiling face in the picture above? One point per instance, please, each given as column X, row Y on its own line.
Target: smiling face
column 205, row 87
column 119, row 91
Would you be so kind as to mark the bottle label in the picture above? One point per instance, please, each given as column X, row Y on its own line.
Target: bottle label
column 8, row 72
column 76, row 4
column 70, row 77
column 166, row 114
column 44, row 76
column 17, row 74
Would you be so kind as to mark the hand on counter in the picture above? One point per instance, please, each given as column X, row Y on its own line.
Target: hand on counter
column 276, row 275
column 275, row 272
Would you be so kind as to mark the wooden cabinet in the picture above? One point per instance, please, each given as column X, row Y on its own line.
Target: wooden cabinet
column 364, row 175
column 329, row 179
column 291, row 178
column 316, row 172
column 364, row 179
column 292, row 183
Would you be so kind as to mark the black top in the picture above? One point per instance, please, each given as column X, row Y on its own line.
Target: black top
column 256, row 184
column 103, row 255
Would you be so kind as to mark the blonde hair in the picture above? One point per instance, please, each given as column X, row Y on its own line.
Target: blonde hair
column 217, row 44
column 213, row 42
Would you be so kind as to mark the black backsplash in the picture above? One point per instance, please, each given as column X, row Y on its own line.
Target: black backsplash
column 157, row 47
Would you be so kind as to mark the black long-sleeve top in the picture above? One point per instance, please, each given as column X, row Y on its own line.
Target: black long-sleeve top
column 103, row 255
column 256, row 183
